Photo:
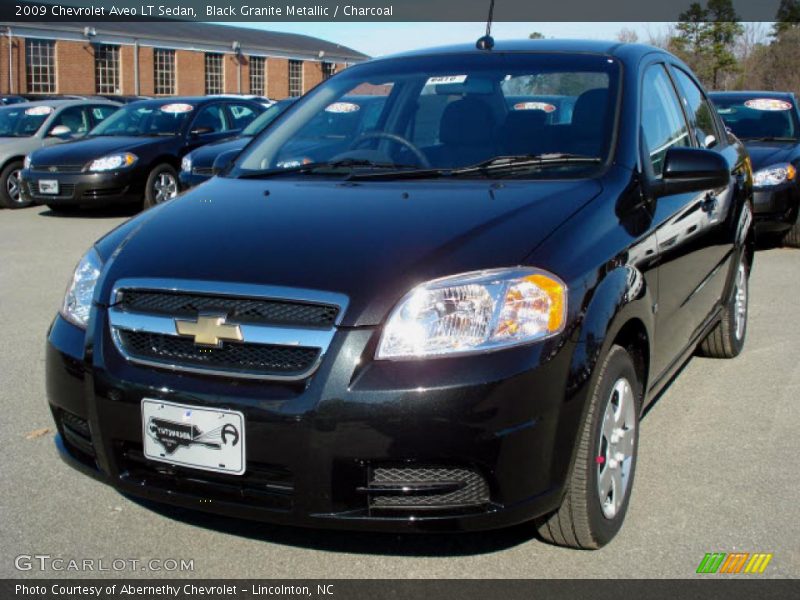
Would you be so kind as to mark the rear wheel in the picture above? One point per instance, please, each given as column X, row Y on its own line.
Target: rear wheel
column 10, row 185
column 599, row 486
column 726, row 340
column 162, row 185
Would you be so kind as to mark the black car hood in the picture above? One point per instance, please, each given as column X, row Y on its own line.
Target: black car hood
column 372, row 241
column 764, row 154
column 206, row 155
column 80, row 152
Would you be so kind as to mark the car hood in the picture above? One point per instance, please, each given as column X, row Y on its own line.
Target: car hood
column 764, row 154
column 80, row 152
column 372, row 241
column 205, row 155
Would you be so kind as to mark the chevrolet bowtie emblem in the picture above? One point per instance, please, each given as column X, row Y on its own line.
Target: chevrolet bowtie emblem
column 209, row 330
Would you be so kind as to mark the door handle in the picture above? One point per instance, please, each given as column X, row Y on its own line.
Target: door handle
column 709, row 203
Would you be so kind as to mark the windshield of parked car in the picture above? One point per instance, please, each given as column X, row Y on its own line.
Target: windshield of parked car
column 450, row 113
column 759, row 118
column 19, row 121
column 167, row 118
column 268, row 116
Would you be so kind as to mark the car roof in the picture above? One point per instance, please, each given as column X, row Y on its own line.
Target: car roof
column 610, row 48
column 60, row 102
column 193, row 100
column 751, row 94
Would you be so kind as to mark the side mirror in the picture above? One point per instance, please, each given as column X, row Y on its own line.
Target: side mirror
column 224, row 161
column 693, row 170
column 60, row 131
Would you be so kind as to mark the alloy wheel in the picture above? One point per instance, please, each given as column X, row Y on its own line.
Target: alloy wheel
column 740, row 302
column 13, row 185
column 615, row 453
column 165, row 187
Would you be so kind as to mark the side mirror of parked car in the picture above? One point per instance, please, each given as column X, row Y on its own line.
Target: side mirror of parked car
column 60, row 131
column 692, row 170
column 223, row 161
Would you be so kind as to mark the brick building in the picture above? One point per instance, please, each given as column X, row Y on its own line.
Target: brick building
column 163, row 58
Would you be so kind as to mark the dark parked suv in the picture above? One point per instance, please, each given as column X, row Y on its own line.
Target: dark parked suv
column 452, row 320
column 133, row 155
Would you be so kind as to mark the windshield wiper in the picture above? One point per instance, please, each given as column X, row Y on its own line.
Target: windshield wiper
column 313, row 167
column 504, row 163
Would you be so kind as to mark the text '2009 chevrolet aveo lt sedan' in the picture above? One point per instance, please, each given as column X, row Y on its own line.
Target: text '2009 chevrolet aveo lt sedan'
column 451, row 322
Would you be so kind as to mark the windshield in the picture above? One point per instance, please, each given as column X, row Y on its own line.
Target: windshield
column 146, row 119
column 449, row 112
column 19, row 121
column 759, row 118
column 265, row 118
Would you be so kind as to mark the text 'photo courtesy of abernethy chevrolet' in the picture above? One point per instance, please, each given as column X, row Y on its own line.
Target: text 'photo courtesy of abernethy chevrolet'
column 448, row 318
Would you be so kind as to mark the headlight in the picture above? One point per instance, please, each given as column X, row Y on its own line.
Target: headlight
column 774, row 175
column 474, row 312
column 186, row 163
column 113, row 161
column 78, row 299
column 26, row 164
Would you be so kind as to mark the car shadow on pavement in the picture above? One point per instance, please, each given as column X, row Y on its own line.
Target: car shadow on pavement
column 356, row 542
column 105, row 212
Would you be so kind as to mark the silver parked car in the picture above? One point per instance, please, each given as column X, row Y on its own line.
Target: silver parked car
column 28, row 126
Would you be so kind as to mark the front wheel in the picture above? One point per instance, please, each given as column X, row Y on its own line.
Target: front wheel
column 10, row 184
column 599, row 486
column 726, row 340
column 162, row 185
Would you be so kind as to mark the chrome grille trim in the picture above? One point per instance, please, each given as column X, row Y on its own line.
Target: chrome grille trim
column 277, row 335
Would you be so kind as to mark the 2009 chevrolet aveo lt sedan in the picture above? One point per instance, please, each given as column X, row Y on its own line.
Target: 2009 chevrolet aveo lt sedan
column 451, row 322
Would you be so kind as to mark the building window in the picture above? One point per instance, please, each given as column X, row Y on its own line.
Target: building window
column 106, row 69
column 40, row 63
column 164, row 72
column 328, row 69
column 295, row 78
column 258, row 75
column 214, row 74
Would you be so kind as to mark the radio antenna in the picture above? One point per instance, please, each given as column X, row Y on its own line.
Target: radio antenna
column 487, row 41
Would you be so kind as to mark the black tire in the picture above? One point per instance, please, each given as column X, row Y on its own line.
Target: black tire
column 581, row 522
column 7, row 199
column 151, row 195
column 727, row 339
column 792, row 237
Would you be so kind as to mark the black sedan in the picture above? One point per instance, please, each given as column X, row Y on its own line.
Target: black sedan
column 769, row 125
column 198, row 165
column 419, row 329
column 134, row 154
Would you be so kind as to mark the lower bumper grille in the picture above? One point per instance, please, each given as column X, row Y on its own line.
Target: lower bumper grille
column 430, row 487
column 102, row 193
column 264, row 486
column 65, row 190
column 77, row 433
column 261, row 359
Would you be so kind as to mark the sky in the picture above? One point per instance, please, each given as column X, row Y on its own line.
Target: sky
column 376, row 39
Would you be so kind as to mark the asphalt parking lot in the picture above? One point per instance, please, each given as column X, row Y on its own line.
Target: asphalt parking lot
column 717, row 468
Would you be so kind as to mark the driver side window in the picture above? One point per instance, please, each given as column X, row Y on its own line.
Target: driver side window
column 75, row 118
column 663, row 123
column 210, row 119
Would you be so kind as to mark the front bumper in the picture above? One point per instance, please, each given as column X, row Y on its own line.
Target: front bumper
column 776, row 208
column 314, row 447
column 85, row 189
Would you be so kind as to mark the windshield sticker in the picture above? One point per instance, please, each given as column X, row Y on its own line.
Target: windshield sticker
column 177, row 108
column 548, row 108
column 38, row 111
column 446, row 79
column 768, row 104
column 342, row 107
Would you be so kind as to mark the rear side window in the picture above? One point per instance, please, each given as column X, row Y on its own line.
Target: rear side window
column 663, row 122
column 699, row 110
column 241, row 115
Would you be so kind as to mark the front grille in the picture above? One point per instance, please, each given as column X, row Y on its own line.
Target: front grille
column 208, row 171
column 262, row 485
column 260, row 359
column 57, row 168
column 426, row 487
column 240, row 310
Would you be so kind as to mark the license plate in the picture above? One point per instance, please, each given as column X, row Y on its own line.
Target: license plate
column 211, row 439
column 48, row 186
